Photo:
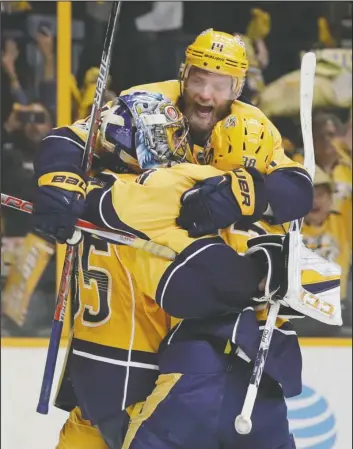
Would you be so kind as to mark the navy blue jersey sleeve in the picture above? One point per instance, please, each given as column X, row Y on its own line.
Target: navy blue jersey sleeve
column 60, row 151
column 208, row 278
column 99, row 207
column 290, row 194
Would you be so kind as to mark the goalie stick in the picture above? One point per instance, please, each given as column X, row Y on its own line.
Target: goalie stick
column 243, row 422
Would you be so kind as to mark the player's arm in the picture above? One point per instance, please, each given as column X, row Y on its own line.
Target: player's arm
column 288, row 185
column 282, row 191
column 61, row 183
column 207, row 276
column 238, row 196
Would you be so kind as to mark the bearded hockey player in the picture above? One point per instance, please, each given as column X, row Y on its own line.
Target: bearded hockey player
column 110, row 295
column 153, row 201
column 213, row 204
column 211, row 82
column 203, row 383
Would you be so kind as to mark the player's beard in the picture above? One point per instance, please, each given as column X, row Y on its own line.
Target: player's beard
column 202, row 126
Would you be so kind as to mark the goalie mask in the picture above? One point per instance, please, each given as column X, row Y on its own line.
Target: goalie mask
column 146, row 131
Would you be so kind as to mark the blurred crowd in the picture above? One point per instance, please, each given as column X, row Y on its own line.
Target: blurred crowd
column 150, row 44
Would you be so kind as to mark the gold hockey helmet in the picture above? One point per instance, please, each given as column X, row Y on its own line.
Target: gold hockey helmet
column 218, row 52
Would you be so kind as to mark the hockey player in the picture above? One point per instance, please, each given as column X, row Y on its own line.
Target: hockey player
column 206, row 363
column 210, row 85
column 92, row 349
column 211, row 82
column 202, row 384
column 56, row 208
column 120, row 302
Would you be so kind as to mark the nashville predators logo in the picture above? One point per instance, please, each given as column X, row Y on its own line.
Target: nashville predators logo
column 231, row 122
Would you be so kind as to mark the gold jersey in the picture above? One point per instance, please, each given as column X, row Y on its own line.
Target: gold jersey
column 117, row 283
column 112, row 310
column 119, row 322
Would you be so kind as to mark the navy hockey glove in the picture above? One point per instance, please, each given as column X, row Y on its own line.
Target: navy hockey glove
column 270, row 252
column 215, row 203
column 58, row 203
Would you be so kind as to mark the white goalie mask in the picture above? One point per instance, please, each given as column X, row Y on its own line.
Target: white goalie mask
column 146, row 130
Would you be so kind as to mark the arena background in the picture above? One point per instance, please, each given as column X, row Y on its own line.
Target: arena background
column 50, row 54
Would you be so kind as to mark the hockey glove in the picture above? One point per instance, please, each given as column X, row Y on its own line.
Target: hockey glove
column 269, row 252
column 237, row 197
column 58, row 203
column 312, row 283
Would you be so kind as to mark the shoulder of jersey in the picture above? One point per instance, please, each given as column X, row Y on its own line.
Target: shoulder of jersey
column 165, row 177
column 70, row 134
column 169, row 89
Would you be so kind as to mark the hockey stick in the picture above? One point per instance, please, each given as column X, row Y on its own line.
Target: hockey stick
column 86, row 163
column 116, row 236
column 243, row 422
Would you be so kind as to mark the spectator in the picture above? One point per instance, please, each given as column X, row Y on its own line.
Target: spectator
column 328, row 158
column 48, row 85
column 9, row 57
column 333, row 86
column 31, row 124
column 22, row 132
column 257, row 30
column 86, row 94
column 343, row 141
column 258, row 57
column 326, row 129
column 24, row 129
column 324, row 132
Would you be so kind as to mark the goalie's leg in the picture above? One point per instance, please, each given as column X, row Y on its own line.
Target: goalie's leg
column 195, row 402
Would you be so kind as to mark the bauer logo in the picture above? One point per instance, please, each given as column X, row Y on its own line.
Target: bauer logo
column 311, row 421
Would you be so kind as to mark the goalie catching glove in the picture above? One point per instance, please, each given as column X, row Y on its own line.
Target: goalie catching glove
column 309, row 284
column 313, row 283
column 58, row 203
column 237, row 197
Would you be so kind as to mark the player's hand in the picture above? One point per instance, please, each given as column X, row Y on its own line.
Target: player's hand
column 218, row 202
column 56, row 209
